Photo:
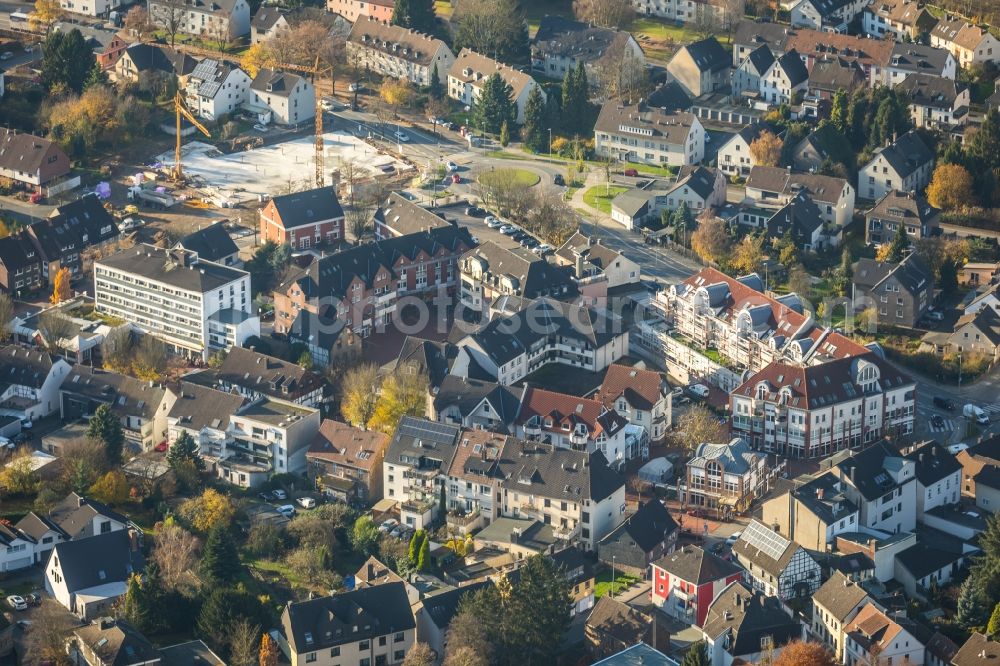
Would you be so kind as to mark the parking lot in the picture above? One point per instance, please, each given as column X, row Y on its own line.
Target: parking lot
column 478, row 228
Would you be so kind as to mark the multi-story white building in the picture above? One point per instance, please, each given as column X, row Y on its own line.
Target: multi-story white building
column 288, row 99
column 720, row 12
column 936, row 102
column 647, row 135
column 265, row 437
column 469, row 73
column 784, row 79
column 641, row 396
column 416, row 468
column 905, row 165
column 835, row 604
column 725, row 478
column 775, row 565
column 883, row 485
column 829, row 15
column 939, row 476
column 473, row 478
column 573, row 491
column 970, row 44
column 398, row 52
column 100, row 8
column 215, row 88
column 873, row 638
column 833, row 196
column 194, row 306
column 217, row 20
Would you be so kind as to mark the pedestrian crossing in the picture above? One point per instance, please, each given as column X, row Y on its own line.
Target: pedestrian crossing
column 947, row 425
column 991, row 409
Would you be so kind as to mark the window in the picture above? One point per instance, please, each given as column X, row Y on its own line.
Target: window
column 311, row 657
column 364, row 645
column 398, row 638
column 381, row 641
column 335, row 652
column 398, row 655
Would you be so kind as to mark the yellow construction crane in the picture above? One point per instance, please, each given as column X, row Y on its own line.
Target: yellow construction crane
column 316, row 70
column 181, row 110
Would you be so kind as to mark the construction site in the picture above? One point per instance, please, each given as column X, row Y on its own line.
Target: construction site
column 268, row 170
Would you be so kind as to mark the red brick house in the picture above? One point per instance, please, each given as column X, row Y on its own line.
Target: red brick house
column 686, row 582
column 359, row 286
column 304, row 220
column 109, row 54
column 31, row 160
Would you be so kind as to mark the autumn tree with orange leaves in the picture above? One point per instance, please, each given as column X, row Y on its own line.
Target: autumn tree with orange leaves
column 61, row 290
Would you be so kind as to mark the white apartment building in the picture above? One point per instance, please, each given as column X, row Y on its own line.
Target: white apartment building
column 194, row 306
column 686, row 11
column 469, row 73
column 896, row 18
column 939, row 476
column 99, row 8
column 575, row 492
column 648, row 135
column 905, row 165
column 970, row 44
column 215, row 88
column 265, row 437
column 213, row 20
column 288, row 99
column 398, row 52
column 416, row 467
column 873, row 638
column 882, row 484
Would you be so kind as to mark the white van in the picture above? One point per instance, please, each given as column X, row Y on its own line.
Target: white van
column 975, row 413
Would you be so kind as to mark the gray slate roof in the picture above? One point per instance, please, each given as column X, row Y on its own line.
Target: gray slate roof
column 200, row 407
column 177, row 268
column 911, row 273
column 559, row 474
column 708, row 55
column 933, row 461
column 748, row 616
column 839, row 596
column 907, row 154
column 98, row 560
column 693, row 564
column 211, row 243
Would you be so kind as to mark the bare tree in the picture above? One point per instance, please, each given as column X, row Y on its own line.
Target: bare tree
column 503, row 190
column 217, row 34
column 45, row 641
column 170, row 18
column 176, row 555
column 137, row 22
column 84, row 461
column 607, row 13
column 53, row 327
column 621, row 73
column 244, row 640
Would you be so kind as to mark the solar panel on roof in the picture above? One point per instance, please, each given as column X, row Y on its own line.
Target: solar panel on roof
column 436, row 432
column 768, row 542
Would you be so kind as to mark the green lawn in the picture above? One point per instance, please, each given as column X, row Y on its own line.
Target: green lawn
column 599, row 197
column 603, row 585
column 522, row 177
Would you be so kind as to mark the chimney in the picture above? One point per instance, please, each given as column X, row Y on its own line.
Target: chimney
column 133, row 541
column 852, row 474
column 371, row 571
column 921, row 458
column 80, row 500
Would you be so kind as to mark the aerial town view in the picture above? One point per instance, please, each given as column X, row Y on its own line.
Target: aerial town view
column 500, row 332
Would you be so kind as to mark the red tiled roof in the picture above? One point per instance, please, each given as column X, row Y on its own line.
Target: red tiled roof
column 562, row 409
column 640, row 387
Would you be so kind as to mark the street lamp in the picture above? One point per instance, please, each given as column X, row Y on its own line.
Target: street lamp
column 550, row 143
column 959, row 369
column 612, row 576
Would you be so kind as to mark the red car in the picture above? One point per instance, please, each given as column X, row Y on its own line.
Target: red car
column 455, row 178
column 632, row 173
column 161, row 447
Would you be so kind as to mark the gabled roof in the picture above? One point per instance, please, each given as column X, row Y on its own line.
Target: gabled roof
column 708, row 55
column 37, row 526
column 26, row 153
column 75, row 513
column 596, row 255
column 905, row 155
column 839, row 596
column 467, row 393
column 872, row 629
column 106, row 558
column 641, row 388
column 267, row 17
column 911, row 273
column 800, row 216
column 396, row 42
column 988, row 476
column 18, row 253
column 309, row 207
column 532, row 276
column 117, row 643
column 747, row 616
column 824, row 496
column 428, row 356
column 126, row 395
column 791, row 63
column 921, row 59
column 922, row 560
column 407, row 217
column 820, row 44
column 647, row 527
column 906, row 207
column 347, row 617
column 272, row 82
column 423, row 443
column 74, row 227
column 933, row 462
column 931, row 91
column 832, row 74
column 443, row 606
column 149, row 57
column 560, row 37
column 545, row 470
column 826, row 8
column 826, row 189
column 617, row 619
column 693, row 564
column 976, row 651
column 212, row 243
column 218, row 7
column 700, row 179
column 475, row 68
column 477, row 455
column 956, row 30
column 673, row 127
column 556, row 412
column 198, row 407
column 21, row 366
column 866, row 469
column 333, row 274
column 265, row 374
column 759, row 60
column 348, row 446
column 765, row 548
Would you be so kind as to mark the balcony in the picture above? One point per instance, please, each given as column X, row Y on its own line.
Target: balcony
column 532, row 429
column 464, row 523
column 578, row 438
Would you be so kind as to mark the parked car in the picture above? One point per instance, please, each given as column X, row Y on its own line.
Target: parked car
column 388, row 525
column 699, row 390
column 287, row 510
column 267, row 496
column 17, row 602
column 306, row 502
column 558, row 179
column 33, row 599
column 944, row 403
column 934, row 315
column 397, row 531
column 677, row 391
column 494, row 222
column 508, row 230
column 6, row 55
column 474, row 211
column 976, row 413
column 632, row 173
column 451, row 166
column 455, row 178
column 401, row 136
column 161, row 447
column 937, row 421
column 260, row 127
column 280, row 494
column 733, row 538
column 27, row 425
